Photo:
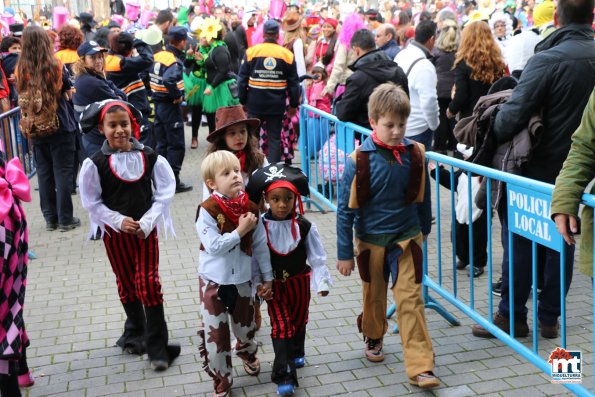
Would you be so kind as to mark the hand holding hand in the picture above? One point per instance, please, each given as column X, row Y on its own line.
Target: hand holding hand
column 130, row 226
column 265, row 290
column 345, row 267
column 449, row 114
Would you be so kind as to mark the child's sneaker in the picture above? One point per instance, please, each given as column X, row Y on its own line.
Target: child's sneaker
column 373, row 350
column 299, row 362
column 26, row 380
column 252, row 368
column 286, row 390
column 224, row 394
column 425, row 380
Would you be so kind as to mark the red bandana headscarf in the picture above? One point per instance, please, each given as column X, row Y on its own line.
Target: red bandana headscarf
column 396, row 150
column 233, row 208
column 293, row 189
column 133, row 123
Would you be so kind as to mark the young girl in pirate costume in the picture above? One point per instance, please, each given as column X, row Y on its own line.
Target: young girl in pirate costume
column 236, row 133
column 294, row 243
column 233, row 257
column 127, row 189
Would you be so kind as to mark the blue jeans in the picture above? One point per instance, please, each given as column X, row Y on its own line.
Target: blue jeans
column 426, row 137
column 54, row 156
column 549, row 298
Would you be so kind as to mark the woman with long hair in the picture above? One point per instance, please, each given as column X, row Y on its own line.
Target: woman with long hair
column 294, row 37
column 478, row 64
column 444, row 53
column 344, row 56
column 92, row 86
column 324, row 49
column 40, row 74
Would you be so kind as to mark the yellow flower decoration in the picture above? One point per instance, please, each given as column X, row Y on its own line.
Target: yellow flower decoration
column 209, row 28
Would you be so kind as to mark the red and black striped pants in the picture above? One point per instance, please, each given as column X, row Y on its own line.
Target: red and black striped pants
column 135, row 263
column 288, row 310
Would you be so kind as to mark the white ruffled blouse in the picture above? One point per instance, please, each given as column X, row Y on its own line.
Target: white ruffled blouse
column 128, row 166
column 281, row 241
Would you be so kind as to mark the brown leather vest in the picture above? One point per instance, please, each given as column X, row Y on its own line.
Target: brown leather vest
column 225, row 224
column 360, row 187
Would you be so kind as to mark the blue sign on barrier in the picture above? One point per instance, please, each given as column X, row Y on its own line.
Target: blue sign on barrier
column 529, row 215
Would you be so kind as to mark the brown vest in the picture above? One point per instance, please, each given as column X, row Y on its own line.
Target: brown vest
column 225, row 224
column 360, row 187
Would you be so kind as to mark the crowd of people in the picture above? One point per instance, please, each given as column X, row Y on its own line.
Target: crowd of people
column 105, row 105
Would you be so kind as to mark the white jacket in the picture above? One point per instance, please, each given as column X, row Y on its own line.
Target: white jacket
column 422, row 80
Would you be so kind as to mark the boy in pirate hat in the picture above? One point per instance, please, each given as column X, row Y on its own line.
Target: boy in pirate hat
column 298, row 260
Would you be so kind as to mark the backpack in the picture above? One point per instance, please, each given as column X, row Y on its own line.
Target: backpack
column 38, row 120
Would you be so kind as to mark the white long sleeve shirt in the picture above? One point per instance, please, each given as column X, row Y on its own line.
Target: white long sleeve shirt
column 223, row 262
column 280, row 238
column 128, row 166
column 423, row 95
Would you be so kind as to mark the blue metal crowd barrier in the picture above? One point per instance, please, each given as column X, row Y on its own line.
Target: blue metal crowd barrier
column 13, row 143
column 529, row 221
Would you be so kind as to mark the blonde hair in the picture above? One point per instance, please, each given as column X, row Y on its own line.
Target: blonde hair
column 79, row 68
column 450, row 36
column 388, row 99
column 215, row 162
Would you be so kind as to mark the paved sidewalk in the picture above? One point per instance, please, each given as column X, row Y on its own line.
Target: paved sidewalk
column 74, row 317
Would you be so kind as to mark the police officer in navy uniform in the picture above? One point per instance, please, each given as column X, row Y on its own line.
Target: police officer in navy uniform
column 168, row 93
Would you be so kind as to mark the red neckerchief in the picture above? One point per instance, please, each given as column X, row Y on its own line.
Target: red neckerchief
column 234, row 207
column 241, row 155
column 397, row 150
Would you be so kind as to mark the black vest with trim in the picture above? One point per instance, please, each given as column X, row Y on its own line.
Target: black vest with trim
column 294, row 262
column 129, row 198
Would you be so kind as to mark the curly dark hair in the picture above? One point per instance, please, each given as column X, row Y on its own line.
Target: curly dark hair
column 7, row 42
column 70, row 37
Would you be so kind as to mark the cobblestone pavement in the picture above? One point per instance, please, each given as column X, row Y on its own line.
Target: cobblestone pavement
column 74, row 318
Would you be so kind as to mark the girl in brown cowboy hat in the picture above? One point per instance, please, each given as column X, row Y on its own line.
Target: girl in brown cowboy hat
column 237, row 133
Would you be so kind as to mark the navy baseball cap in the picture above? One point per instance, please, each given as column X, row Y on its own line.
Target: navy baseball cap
column 177, row 33
column 89, row 48
column 271, row 27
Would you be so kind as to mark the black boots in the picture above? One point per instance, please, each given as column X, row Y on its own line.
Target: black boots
column 284, row 372
column 181, row 187
column 161, row 355
column 133, row 338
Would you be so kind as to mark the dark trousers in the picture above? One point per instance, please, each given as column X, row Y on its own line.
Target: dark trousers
column 549, row 298
column 444, row 139
column 9, row 386
column 479, row 241
column 135, row 263
column 54, row 157
column 169, row 133
column 196, row 112
column 273, row 126
column 147, row 134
